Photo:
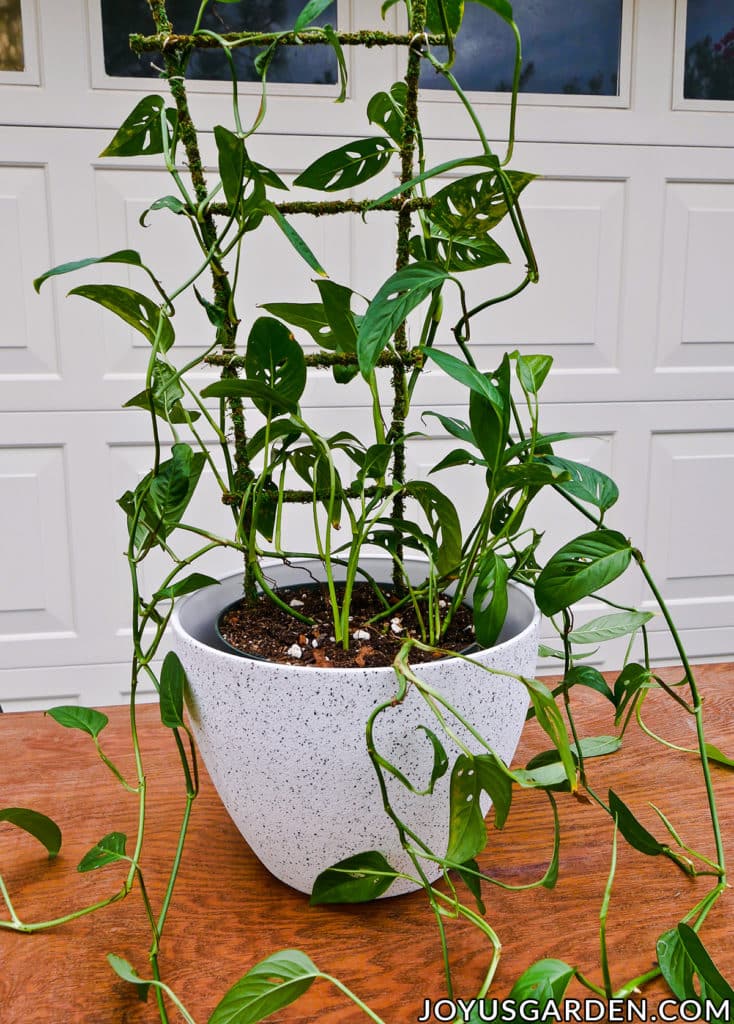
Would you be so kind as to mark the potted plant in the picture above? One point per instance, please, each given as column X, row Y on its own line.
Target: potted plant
column 403, row 644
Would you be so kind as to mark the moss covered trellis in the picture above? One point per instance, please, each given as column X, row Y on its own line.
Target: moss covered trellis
column 174, row 49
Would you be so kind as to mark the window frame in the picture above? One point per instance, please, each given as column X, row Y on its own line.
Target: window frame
column 101, row 80
column 551, row 99
column 680, row 101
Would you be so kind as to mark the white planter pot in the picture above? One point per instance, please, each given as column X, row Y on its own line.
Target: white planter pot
column 285, row 745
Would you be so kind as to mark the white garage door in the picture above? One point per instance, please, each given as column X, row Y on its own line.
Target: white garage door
column 628, row 114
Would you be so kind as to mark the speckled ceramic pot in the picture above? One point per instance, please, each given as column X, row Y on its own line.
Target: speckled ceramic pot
column 285, row 745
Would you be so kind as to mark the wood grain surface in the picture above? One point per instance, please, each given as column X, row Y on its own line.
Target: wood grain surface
column 228, row 912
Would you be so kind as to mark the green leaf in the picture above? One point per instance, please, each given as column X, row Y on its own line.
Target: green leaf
column 387, row 109
column 675, row 964
column 473, row 884
column 485, row 160
column 459, row 254
column 467, row 831
column 490, row 417
column 127, row 256
column 297, row 241
column 195, row 581
column 544, row 982
column 347, row 166
column 501, row 7
column 457, row 457
column 714, row 987
column 132, row 307
column 478, row 383
column 171, row 203
column 395, row 299
column 121, row 967
column 275, row 982
column 107, row 851
column 274, row 359
column 231, row 156
column 337, row 299
column 440, row 760
column 140, row 133
column 35, row 824
column 164, row 398
column 443, row 519
column 608, row 627
column 714, row 754
column 172, row 683
column 232, row 387
column 635, row 833
column 72, row 716
column 586, row 483
column 171, row 488
column 494, row 779
column 357, row 879
column 630, row 681
column 580, row 568
column 332, row 39
column 470, row 207
column 454, row 11
column 532, row 371
column 490, row 598
column 586, row 675
column 311, row 316
column 455, row 427
column 310, row 12
column 551, row 722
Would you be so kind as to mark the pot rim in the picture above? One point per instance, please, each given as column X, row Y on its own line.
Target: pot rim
column 277, row 666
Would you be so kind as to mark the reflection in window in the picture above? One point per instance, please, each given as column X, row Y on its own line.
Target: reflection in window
column 310, row 64
column 567, row 48
column 11, row 36
column 709, row 73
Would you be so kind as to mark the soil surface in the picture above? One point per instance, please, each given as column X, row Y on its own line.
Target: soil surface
column 266, row 631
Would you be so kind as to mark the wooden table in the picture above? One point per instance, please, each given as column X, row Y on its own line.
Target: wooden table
column 228, row 912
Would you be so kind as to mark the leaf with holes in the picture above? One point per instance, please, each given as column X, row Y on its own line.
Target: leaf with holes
column 274, row 359
column 715, row 990
column 132, row 307
column 347, row 166
column 586, row 483
column 357, row 879
column 140, row 133
column 387, row 110
column 467, row 831
column 471, row 207
column 580, row 568
column 397, row 297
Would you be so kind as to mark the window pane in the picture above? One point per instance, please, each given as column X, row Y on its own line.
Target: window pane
column 11, row 36
column 567, row 48
column 709, row 51
column 311, row 64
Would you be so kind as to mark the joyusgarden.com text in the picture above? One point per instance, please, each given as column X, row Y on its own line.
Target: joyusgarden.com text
column 585, row 1011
